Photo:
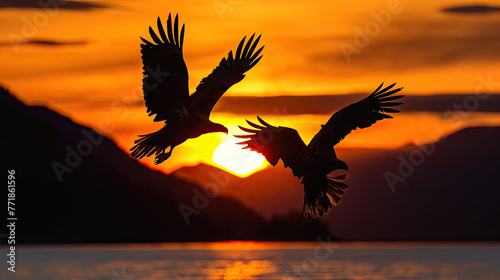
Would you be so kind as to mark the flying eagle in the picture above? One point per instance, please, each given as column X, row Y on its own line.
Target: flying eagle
column 313, row 163
column 166, row 93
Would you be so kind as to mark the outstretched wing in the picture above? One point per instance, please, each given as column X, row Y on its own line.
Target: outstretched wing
column 165, row 81
column 358, row 115
column 277, row 143
column 229, row 72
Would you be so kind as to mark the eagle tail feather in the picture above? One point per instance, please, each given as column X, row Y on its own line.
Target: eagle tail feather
column 149, row 144
column 316, row 206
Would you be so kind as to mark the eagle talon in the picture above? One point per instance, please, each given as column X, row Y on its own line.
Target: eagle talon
column 162, row 157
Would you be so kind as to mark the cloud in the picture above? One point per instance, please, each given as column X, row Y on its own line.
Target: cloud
column 473, row 9
column 51, row 4
column 44, row 42
column 408, row 44
column 314, row 104
column 327, row 104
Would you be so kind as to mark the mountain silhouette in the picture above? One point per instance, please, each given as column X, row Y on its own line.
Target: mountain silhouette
column 450, row 195
column 446, row 190
column 74, row 185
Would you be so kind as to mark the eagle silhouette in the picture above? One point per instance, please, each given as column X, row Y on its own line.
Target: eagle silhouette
column 166, row 93
column 315, row 162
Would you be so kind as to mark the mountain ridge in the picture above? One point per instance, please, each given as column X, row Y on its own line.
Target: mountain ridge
column 74, row 185
column 390, row 198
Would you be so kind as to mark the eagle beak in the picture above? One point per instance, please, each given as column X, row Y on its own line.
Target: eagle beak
column 343, row 166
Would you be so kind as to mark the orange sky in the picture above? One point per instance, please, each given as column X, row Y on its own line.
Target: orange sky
column 84, row 61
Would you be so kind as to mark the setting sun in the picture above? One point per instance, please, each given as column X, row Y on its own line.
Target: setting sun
column 236, row 160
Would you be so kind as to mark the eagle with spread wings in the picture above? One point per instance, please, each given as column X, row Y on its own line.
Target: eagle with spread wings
column 166, row 93
column 315, row 162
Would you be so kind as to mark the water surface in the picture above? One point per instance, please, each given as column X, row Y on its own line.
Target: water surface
column 259, row 260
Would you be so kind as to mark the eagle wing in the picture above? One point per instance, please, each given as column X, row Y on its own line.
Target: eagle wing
column 277, row 143
column 165, row 81
column 361, row 114
column 229, row 72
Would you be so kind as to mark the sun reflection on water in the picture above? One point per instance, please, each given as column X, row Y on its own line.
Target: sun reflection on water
column 242, row 270
column 259, row 260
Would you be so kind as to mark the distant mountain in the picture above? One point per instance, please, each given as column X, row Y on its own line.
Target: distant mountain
column 74, row 185
column 269, row 197
column 448, row 190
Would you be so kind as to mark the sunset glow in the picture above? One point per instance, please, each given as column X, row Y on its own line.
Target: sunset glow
column 241, row 162
column 128, row 127
column 90, row 71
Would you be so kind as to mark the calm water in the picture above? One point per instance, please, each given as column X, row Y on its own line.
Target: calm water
column 250, row 260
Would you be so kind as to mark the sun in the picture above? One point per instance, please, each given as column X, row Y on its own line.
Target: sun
column 240, row 162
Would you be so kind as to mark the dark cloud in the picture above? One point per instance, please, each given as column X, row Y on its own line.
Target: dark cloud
column 55, row 43
column 44, row 42
column 327, row 104
column 50, row 4
column 473, row 9
column 314, row 104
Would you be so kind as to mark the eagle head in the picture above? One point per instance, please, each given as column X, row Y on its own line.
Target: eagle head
column 215, row 127
column 342, row 165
